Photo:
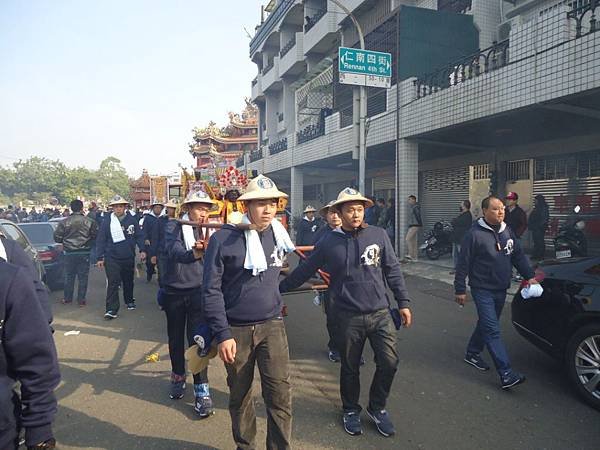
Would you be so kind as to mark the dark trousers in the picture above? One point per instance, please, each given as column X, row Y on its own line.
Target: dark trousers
column 354, row 330
column 76, row 266
column 487, row 333
column 331, row 321
column 539, row 246
column 119, row 271
column 149, row 268
column 161, row 263
column 181, row 321
column 264, row 345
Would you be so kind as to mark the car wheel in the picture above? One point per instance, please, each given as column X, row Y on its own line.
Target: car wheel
column 583, row 363
column 432, row 253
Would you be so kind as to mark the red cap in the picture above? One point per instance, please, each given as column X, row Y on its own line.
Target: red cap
column 512, row 196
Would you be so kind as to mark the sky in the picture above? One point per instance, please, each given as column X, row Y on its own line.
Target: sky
column 81, row 80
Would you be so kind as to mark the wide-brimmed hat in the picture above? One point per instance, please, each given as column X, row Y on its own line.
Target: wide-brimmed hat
column 204, row 349
column 262, row 188
column 156, row 202
column 173, row 203
column 309, row 209
column 352, row 195
column 118, row 200
column 325, row 209
column 198, row 196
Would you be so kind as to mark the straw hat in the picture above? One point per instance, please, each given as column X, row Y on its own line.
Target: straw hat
column 118, row 200
column 198, row 197
column 309, row 209
column 155, row 202
column 198, row 359
column 262, row 188
column 325, row 209
column 351, row 195
column 173, row 203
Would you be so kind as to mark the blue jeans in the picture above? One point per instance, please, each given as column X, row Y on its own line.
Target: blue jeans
column 76, row 265
column 487, row 333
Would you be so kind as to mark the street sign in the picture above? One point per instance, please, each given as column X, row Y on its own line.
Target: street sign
column 365, row 67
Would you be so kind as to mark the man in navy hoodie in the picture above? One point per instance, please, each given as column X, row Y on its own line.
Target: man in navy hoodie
column 115, row 245
column 242, row 306
column 360, row 259
column 27, row 355
column 488, row 252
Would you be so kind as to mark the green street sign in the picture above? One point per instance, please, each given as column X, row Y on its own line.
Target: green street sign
column 364, row 62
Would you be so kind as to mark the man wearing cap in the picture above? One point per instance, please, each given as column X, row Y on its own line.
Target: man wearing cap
column 116, row 243
column 150, row 222
column 360, row 260
column 242, row 306
column 182, row 300
column 307, row 228
column 516, row 218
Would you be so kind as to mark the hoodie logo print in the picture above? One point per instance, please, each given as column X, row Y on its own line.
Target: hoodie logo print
column 277, row 258
column 510, row 244
column 130, row 230
column 371, row 256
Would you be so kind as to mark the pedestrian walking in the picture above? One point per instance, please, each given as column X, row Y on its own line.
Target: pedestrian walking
column 307, row 228
column 516, row 218
column 116, row 242
column 414, row 224
column 182, row 303
column 150, row 221
column 27, row 356
column 361, row 261
column 77, row 234
column 538, row 224
column 242, row 306
column 489, row 251
column 460, row 226
column 382, row 217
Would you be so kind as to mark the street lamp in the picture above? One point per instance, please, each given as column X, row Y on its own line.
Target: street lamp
column 359, row 96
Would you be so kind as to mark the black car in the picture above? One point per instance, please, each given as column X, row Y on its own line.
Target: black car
column 12, row 231
column 565, row 320
column 41, row 235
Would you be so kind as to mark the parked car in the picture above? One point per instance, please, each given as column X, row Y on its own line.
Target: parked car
column 12, row 231
column 41, row 235
column 565, row 320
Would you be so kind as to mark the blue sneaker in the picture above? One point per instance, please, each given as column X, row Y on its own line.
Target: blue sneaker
column 511, row 379
column 476, row 361
column 382, row 422
column 352, row 423
column 203, row 406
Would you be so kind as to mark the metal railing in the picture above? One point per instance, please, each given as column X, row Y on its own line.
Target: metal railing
column 278, row 146
column 580, row 13
column 311, row 132
column 239, row 162
column 256, row 155
column 268, row 25
column 268, row 67
column 488, row 60
column 311, row 21
column 288, row 46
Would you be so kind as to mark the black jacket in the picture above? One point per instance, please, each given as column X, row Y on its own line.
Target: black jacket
column 27, row 355
column 307, row 231
column 157, row 240
column 184, row 271
column 357, row 263
column 460, row 226
column 538, row 219
column 487, row 258
column 76, row 233
column 516, row 220
column 121, row 250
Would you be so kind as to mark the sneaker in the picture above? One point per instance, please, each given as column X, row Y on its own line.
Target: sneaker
column 177, row 390
column 66, row 302
column 203, row 406
column 130, row 306
column 109, row 315
column 352, row 423
column 511, row 379
column 477, row 362
column 382, row 422
column 334, row 356
column 82, row 303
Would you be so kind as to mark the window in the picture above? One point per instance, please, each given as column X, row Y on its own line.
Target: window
column 16, row 235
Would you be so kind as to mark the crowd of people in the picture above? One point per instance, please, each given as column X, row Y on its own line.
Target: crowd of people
column 221, row 292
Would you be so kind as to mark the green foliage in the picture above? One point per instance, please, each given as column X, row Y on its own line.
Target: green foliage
column 38, row 179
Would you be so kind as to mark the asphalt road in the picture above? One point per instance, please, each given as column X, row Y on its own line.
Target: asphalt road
column 111, row 398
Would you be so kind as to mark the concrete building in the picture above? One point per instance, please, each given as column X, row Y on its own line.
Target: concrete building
column 523, row 114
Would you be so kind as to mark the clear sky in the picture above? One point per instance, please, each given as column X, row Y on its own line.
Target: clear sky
column 81, row 80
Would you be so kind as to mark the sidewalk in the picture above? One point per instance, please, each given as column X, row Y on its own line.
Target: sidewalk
column 440, row 270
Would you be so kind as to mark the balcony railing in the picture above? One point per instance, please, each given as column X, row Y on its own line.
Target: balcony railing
column 311, row 132
column 278, row 146
column 269, row 66
column 311, row 21
column 485, row 61
column 265, row 28
column 287, row 47
column 256, row 155
column 587, row 11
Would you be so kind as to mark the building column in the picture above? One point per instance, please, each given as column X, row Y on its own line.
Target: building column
column 407, row 183
column 296, row 192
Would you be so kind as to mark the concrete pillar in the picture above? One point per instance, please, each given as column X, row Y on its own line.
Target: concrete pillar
column 407, row 183
column 296, row 192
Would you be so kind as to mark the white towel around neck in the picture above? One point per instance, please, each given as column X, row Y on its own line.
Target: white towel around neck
column 3, row 252
column 116, row 231
column 255, row 260
column 188, row 234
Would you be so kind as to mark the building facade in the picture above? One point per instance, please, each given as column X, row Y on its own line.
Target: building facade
column 486, row 96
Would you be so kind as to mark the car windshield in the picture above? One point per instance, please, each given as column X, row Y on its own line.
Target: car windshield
column 39, row 233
